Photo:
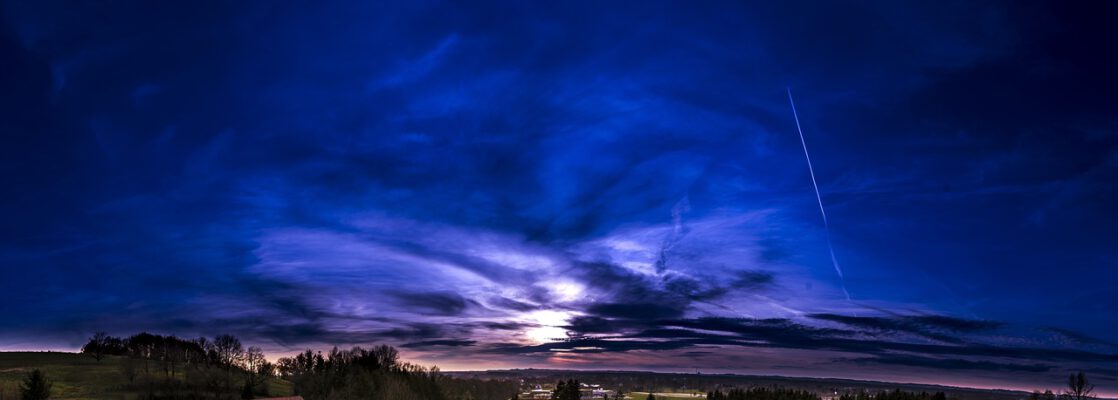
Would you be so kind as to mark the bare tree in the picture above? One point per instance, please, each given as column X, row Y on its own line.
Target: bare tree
column 97, row 346
column 1079, row 388
column 229, row 350
column 254, row 363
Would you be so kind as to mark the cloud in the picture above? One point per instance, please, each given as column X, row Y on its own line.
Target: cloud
column 639, row 311
column 936, row 327
column 415, row 331
column 437, row 303
column 442, row 343
column 786, row 334
column 948, row 363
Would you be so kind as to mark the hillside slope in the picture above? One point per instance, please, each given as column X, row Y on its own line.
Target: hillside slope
column 77, row 376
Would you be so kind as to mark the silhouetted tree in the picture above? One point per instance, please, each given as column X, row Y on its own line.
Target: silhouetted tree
column 764, row 393
column 651, row 396
column 229, row 350
column 378, row 374
column 896, row 394
column 35, row 386
column 560, row 388
column 254, row 362
column 566, row 390
column 96, row 346
column 1078, row 387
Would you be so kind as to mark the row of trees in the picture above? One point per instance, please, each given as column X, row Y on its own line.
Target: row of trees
column 896, row 394
column 168, row 366
column 1078, row 388
column 762, row 393
column 223, row 350
column 171, row 367
column 377, row 373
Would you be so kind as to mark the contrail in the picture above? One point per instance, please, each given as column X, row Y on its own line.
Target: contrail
column 818, row 197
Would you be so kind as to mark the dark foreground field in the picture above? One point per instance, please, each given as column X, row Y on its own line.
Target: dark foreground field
column 79, row 376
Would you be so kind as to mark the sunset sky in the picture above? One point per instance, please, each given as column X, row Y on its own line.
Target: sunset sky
column 593, row 185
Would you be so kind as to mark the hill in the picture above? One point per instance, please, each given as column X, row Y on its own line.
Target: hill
column 78, row 376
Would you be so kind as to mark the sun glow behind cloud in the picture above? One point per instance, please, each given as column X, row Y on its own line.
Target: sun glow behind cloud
column 550, row 325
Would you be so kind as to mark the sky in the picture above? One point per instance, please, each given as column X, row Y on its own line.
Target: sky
column 591, row 185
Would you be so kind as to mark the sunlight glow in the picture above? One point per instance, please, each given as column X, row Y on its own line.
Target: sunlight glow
column 550, row 327
column 565, row 291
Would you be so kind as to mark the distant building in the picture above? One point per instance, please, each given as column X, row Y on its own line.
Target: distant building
column 538, row 393
column 589, row 391
column 585, row 391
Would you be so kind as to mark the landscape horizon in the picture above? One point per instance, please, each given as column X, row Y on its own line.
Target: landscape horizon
column 961, row 392
column 371, row 199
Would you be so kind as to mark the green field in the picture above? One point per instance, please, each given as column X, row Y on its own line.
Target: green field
column 77, row 376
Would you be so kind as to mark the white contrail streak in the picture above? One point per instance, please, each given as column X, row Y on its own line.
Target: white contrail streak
column 818, row 197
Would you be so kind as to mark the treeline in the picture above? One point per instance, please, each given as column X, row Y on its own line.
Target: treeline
column 378, row 373
column 896, row 394
column 777, row 393
column 627, row 382
column 762, row 393
column 169, row 367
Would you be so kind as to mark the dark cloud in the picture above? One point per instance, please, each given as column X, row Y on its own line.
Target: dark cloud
column 752, row 280
column 443, row 343
column 694, row 289
column 948, row 364
column 506, row 326
column 931, row 326
column 510, row 304
column 1080, row 338
column 780, row 333
column 594, row 346
column 415, row 331
column 437, row 303
column 952, row 323
column 598, row 325
column 638, row 311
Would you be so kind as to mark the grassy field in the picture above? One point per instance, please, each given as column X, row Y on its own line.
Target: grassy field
column 77, row 376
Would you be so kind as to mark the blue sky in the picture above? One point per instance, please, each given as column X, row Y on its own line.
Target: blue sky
column 474, row 182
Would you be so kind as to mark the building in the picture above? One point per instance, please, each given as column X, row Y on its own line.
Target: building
column 588, row 391
column 539, row 393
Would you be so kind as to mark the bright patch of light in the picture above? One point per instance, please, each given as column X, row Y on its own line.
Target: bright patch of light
column 549, row 317
column 565, row 291
column 545, row 334
column 550, row 327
